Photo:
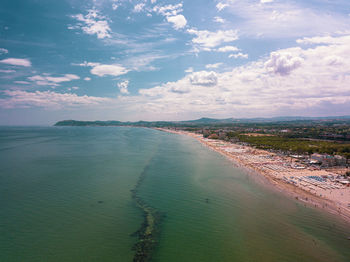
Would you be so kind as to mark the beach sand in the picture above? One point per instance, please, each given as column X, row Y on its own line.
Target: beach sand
column 278, row 170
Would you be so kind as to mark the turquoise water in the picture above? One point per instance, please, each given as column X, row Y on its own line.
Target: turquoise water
column 65, row 196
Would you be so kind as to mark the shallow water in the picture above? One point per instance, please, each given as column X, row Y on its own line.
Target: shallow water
column 65, row 196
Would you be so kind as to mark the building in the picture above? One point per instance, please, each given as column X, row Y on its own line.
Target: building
column 325, row 160
column 340, row 160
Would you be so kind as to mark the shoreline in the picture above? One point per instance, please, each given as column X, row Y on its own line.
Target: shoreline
column 313, row 198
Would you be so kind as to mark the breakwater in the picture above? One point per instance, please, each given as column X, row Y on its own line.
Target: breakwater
column 148, row 233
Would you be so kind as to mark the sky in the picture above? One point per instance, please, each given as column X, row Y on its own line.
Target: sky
column 152, row 60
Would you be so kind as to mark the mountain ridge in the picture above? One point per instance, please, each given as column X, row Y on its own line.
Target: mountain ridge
column 201, row 121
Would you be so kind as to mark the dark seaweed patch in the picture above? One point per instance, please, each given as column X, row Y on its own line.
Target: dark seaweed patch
column 149, row 231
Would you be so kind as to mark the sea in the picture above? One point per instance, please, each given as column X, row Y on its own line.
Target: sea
column 71, row 193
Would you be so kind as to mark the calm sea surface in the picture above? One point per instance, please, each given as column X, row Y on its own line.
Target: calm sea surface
column 65, row 196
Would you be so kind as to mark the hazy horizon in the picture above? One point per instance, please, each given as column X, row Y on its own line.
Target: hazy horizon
column 51, row 123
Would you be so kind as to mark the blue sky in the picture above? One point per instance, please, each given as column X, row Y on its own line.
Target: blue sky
column 172, row 60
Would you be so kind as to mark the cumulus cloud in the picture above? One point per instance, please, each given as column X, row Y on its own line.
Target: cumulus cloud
column 93, row 24
column 289, row 81
column 172, row 14
column 123, row 87
column 293, row 81
column 112, row 70
column 179, row 21
column 16, row 62
column 104, row 69
column 46, row 99
column 283, row 63
column 206, row 40
column 266, row 1
column 333, row 60
column 204, row 78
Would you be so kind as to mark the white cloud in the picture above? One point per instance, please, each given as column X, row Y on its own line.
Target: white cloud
column 333, row 60
column 324, row 40
column 204, row 78
column 87, row 64
column 228, row 48
column 22, row 82
column 283, row 63
column 206, row 40
column 16, row 62
column 139, row 7
column 168, row 10
column 179, row 21
column 7, row 71
column 172, row 14
column 283, row 19
column 103, row 69
column 239, row 55
column 94, row 23
column 293, row 81
column 65, row 78
column 266, row 1
column 219, row 19
column 319, row 85
column 189, row 70
column 48, row 80
column 142, row 62
column 211, row 66
column 3, row 51
column 75, row 87
column 123, row 87
column 221, row 6
column 47, row 99
column 112, row 70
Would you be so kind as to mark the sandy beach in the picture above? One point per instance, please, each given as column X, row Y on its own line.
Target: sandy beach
column 316, row 187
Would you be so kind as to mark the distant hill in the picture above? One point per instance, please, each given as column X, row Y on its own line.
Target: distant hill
column 202, row 121
column 261, row 119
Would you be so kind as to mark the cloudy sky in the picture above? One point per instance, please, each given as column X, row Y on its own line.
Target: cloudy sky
column 172, row 60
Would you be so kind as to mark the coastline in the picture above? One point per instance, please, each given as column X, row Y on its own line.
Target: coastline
column 333, row 201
